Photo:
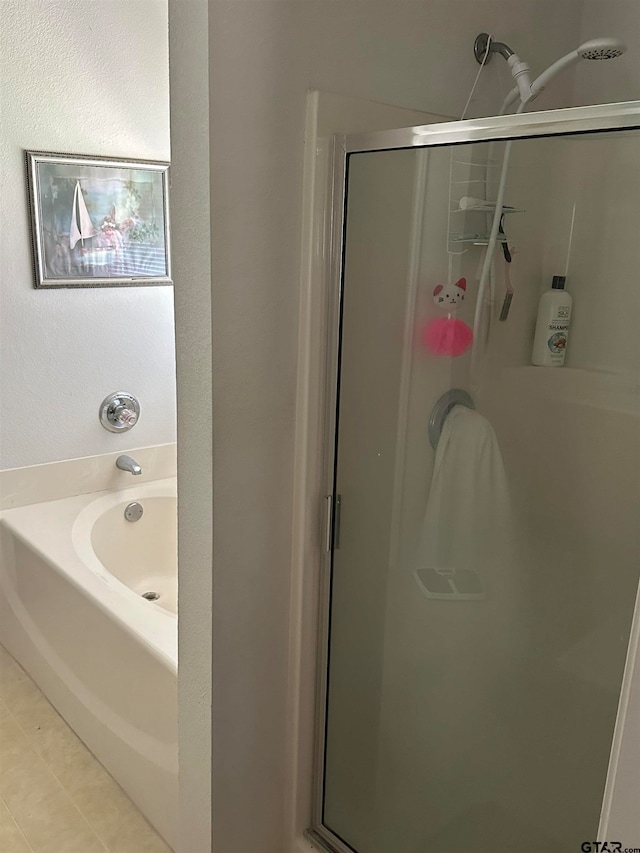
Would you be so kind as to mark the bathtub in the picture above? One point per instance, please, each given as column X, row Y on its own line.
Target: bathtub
column 73, row 573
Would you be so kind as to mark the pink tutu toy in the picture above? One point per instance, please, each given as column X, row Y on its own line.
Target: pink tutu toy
column 446, row 336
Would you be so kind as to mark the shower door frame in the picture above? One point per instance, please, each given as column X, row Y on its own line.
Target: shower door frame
column 564, row 122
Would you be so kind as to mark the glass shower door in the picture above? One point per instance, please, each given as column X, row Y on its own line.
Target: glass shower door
column 483, row 571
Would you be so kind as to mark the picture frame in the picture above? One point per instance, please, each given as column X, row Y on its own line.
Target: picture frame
column 98, row 221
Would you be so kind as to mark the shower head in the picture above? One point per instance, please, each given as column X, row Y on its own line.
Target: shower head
column 607, row 47
column 603, row 48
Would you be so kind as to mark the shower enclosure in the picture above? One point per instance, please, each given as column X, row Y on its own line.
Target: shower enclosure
column 472, row 708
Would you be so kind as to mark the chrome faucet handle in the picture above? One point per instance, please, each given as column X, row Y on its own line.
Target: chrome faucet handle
column 119, row 412
column 124, row 416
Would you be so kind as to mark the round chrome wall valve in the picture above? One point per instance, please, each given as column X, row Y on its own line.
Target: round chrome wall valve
column 119, row 412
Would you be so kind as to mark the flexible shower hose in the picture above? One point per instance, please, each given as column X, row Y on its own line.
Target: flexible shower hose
column 488, row 258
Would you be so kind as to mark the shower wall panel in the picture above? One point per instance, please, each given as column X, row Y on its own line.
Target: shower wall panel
column 571, row 443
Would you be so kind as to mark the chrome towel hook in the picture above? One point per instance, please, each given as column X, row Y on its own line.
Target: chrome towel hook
column 451, row 398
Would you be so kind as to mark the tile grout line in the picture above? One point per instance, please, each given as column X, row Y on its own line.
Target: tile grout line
column 55, row 775
column 17, row 825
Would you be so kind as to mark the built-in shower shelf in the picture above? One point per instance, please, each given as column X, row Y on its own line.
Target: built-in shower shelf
column 476, row 239
column 488, row 208
column 600, row 389
column 490, row 164
column 476, row 181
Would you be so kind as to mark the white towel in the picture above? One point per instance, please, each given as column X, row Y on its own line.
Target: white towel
column 467, row 523
column 467, row 646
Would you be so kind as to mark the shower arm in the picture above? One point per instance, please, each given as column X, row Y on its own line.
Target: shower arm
column 484, row 48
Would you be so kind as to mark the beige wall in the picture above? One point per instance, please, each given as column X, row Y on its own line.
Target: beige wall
column 263, row 58
column 188, row 54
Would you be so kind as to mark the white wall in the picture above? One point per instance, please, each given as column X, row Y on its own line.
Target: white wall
column 264, row 56
column 191, row 270
column 83, row 77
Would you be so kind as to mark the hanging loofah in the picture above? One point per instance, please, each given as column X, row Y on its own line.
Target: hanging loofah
column 446, row 336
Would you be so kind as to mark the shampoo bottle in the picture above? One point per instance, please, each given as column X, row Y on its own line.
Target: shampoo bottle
column 552, row 326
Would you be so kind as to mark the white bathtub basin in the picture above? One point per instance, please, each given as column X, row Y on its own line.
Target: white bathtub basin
column 141, row 554
column 72, row 574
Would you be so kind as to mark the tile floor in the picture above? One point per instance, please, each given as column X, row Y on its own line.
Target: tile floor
column 55, row 797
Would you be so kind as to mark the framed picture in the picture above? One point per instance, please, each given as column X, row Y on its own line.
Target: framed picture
column 98, row 222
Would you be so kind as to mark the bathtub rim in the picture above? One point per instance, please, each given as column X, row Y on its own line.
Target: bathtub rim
column 158, row 630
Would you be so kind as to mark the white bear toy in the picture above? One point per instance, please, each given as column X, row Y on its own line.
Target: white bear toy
column 449, row 295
